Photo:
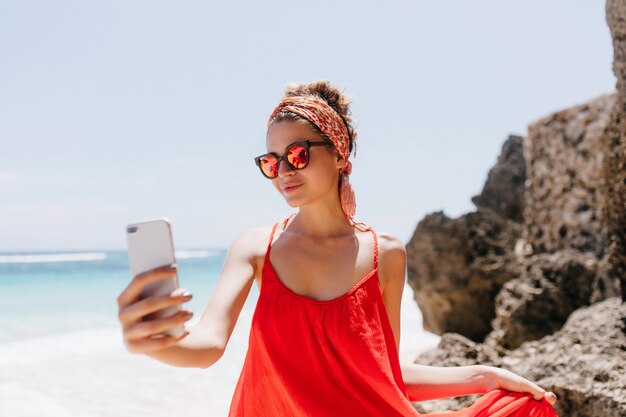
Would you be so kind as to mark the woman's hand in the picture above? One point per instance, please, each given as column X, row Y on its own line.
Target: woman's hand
column 138, row 333
column 501, row 378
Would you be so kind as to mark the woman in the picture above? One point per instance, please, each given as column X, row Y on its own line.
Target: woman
column 325, row 333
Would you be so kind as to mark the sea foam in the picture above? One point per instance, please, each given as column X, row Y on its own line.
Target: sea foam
column 52, row 257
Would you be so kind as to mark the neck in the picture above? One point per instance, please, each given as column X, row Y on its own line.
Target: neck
column 320, row 221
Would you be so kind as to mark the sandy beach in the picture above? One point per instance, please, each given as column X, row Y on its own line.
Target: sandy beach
column 89, row 373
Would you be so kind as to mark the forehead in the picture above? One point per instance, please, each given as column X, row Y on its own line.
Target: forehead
column 282, row 134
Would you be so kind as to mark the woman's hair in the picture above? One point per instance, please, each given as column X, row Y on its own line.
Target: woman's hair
column 322, row 90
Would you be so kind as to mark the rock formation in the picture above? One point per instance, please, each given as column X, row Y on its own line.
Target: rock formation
column 459, row 266
column 564, row 237
column 615, row 149
column 541, row 264
column 584, row 363
column 504, row 190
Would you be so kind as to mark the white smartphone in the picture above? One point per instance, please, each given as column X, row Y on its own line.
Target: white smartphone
column 150, row 245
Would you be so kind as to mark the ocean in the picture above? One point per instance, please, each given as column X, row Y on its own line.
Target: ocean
column 49, row 293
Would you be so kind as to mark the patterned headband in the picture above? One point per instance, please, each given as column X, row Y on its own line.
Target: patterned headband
column 324, row 117
column 332, row 125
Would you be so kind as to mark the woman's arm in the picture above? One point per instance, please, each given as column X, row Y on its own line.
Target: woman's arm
column 425, row 382
column 194, row 351
column 392, row 273
column 205, row 343
column 218, row 321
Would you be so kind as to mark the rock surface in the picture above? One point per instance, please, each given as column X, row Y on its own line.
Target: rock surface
column 556, row 260
column 564, row 202
column 538, row 303
column 503, row 191
column 457, row 266
column 590, row 380
column 565, row 236
column 543, row 259
column 615, row 151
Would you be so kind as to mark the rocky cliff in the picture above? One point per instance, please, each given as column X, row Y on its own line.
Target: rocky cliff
column 534, row 280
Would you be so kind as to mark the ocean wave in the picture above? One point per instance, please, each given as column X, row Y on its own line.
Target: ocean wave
column 189, row 254
column 52, row 257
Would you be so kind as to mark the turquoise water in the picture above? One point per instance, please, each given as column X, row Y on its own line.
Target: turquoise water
column 42, row 294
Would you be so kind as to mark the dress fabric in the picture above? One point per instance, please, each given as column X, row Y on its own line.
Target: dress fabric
column 326, row 358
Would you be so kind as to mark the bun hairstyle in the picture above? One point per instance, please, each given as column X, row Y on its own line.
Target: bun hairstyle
column 322, row 90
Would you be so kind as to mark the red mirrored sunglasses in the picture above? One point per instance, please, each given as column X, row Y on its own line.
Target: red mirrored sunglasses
column 296, row 156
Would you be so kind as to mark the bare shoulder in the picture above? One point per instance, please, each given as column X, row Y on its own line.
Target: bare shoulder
column 250, row 246
column 390, row 248
column 391, row 259
column 251, row 242
column 251, row 238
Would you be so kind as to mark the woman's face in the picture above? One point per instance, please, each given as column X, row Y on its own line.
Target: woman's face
column 317, row 180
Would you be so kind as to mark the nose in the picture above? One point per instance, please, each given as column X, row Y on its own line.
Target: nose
column 284, row 170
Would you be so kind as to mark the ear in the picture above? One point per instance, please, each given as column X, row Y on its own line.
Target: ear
column 340, row 163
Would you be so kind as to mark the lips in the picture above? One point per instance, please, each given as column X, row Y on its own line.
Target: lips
column 290, row 187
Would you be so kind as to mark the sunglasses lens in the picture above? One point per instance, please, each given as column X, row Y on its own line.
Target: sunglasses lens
column 298, row 156
column 269, row 165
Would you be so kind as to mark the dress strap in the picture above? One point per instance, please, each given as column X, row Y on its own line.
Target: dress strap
column 366, row 228
column 287, row 220
column 269, row 244
column 375, row 248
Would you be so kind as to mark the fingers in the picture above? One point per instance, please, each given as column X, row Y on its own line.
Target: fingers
column 521, row 384
column 145, row 329
column 133, row 290
column 512, row 382
column 550, row 397
column 537, row 392
column 134, row 312
column 148, row 345
column 142, row 335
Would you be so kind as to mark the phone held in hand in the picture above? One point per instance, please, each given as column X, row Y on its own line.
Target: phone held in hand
column 150, row 245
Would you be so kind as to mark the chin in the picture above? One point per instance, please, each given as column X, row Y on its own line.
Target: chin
column 295, row 201
column 292, row 202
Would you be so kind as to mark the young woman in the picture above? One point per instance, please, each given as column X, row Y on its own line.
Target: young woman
column 325, row 333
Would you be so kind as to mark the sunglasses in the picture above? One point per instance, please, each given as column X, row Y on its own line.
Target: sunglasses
column 296, row 156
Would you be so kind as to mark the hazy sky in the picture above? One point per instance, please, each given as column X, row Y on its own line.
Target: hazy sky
column 116, row 111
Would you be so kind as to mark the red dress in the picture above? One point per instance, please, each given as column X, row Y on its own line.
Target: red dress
column 312, row 358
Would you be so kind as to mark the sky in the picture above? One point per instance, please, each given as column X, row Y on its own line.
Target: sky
column 119, row 111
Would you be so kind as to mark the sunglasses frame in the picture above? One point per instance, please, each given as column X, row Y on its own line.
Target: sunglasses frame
column 306, row 144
